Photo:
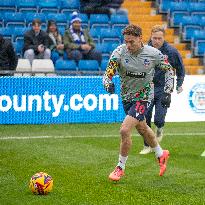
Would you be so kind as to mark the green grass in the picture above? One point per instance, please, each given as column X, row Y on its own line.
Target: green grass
column 80, row 166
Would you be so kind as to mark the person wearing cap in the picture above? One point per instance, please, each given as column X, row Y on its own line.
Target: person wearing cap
column 55, row 41
column 8, row 58
column 36, row 43
column 78, row 42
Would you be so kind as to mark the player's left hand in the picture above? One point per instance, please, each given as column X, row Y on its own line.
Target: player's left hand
column 179, row 89
column 166, row 100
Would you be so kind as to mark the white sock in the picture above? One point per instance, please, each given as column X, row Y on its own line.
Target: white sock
column 158, row 151
column 122, row 161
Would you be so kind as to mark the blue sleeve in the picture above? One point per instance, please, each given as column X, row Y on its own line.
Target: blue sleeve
column 180, row 71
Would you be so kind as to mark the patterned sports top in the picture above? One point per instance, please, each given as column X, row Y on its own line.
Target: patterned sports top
column 136, row 72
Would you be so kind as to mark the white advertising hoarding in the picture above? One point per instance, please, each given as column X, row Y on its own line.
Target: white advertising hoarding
column 190, row 104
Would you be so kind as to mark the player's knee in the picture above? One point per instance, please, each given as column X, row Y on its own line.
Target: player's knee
column 124, row 132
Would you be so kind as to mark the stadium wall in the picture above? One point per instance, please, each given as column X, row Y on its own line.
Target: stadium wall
column 50, row 100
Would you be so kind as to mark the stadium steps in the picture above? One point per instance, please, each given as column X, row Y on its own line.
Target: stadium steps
column 194, row 69
column 143, row 13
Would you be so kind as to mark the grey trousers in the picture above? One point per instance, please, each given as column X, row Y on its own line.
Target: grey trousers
column 30, row 55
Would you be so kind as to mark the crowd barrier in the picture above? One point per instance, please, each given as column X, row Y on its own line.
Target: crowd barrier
column 82, row 99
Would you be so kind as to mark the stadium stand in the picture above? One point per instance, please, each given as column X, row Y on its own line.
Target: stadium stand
column 182, row 19
column 16, row 18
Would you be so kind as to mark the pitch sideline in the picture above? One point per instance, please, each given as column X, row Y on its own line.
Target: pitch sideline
column 88, row 136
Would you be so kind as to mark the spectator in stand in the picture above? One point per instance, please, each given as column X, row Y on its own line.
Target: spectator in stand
column 115, row 7
column 36, row 43
column 55, row 41
column 94, row 6
column 8, row 58
column 78, row 42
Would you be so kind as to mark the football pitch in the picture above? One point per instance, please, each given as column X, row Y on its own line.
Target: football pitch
column 79, row 158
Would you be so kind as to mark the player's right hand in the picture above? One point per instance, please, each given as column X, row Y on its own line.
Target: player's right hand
column 110, row 88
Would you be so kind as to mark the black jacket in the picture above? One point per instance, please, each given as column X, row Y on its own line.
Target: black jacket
column 8, row 58
column 176, row 62
column 32, row 42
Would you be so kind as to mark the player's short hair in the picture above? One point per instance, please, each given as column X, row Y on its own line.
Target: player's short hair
column 132, row 30
column 158, row 28
column 36, row 21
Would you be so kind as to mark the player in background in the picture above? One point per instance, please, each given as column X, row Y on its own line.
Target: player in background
column 135, row 64
column 157, row 40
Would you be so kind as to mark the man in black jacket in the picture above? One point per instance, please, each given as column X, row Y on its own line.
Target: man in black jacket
column 36, row 43
column 8, row 58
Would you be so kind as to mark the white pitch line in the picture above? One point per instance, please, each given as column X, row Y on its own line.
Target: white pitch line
column 88, row 136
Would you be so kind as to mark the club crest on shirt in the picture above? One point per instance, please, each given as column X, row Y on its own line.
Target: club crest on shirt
column 146, row 62
column 126, row 60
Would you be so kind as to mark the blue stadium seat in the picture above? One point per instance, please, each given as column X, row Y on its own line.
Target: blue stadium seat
column 19, row 32
column 199, row 48
column 95, row 35
column 202, row 21
column 14, row 19
column 197, row 7
column 104, row 65
column 197, row 35
column 69, row 6
column 99, row 20
column 106, row 48
column 60, row 18
column 199, row 14
column 119, row 20
column 61, row 29
column 178, row 6
column 31, row 16
column 7, row 32
column 190, row 20
column 64, row 65
column 7, row 5
column 176, row 17
column 88, row 65
column 18, row 46
column 108, row 35
column 27, row 6
column 48, row 6
column 188, row 31
column 164, row 6
column 1, row 19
